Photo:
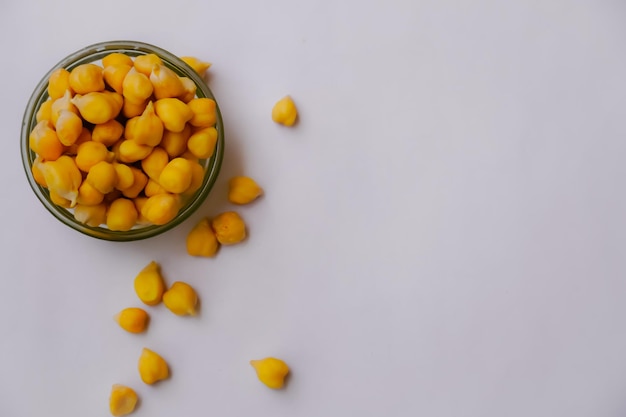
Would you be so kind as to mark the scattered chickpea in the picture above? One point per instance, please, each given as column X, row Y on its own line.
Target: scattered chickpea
column 243, row 190
column 198, row 66
column 181, row 299
column 229, row 228
column 132, row 319
column 152, row 367
column 122, row 400
column 149, row 284
column 201, row 240
column 271, row 371
column 284, row 111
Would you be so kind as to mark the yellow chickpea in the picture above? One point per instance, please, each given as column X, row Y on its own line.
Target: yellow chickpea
column 176, row 176
column 139, row 182
column 149, row 285
column 85, row 136
column 132, row 109
column 45, row 111
column 146, row 129
column 204, row 112
column 196, row 64
column 58, row 82
column 201, row 240
column 43, row 140
column 190, row 89
column 61, row 103
column 243, row 190
column 63, row 178
column 175, row 143
column 181, row 299
column 161, row 208
column 139, row 203
column 154, row 163
column 90, row 153
column 131, row 151
column 102, row 176
column 122, row 215
column 91, row 215
column 144, row 63
column 114, row 76
column 202, row 142
column 173, row 113
column 96, row 107
column 86, row 78
column 107, row 133
column 166, row 83
column 153, row 188
column 229, row 228
column 197, row 178
column 125, row 177
column 58, row 199
column 69, row 127
column 285, row 112
column 152, row 367
column 136, row 86
column 88, row 195
column 116, row 58
column 122, row 400
column 271, row 371
column 132, row 319
column 37, row 170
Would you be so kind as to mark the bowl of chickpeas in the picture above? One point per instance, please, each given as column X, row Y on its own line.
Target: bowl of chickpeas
column 122, row 140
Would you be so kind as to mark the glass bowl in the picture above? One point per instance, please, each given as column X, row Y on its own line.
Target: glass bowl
column 94, row 53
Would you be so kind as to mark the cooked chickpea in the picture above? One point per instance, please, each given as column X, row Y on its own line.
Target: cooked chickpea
column 176, row 176
column 284, row 111
column 229, row 228
column 122, row 215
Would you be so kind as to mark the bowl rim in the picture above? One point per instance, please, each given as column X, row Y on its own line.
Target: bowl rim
column 93, row 53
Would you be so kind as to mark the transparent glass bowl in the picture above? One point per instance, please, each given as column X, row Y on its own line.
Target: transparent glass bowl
column 95, row 53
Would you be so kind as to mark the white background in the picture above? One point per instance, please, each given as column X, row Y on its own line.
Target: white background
column 442, row 234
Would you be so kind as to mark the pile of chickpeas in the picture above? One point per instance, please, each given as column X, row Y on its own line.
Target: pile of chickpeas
column 121, row 143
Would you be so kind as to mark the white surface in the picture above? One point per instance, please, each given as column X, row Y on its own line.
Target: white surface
column 442, row 234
